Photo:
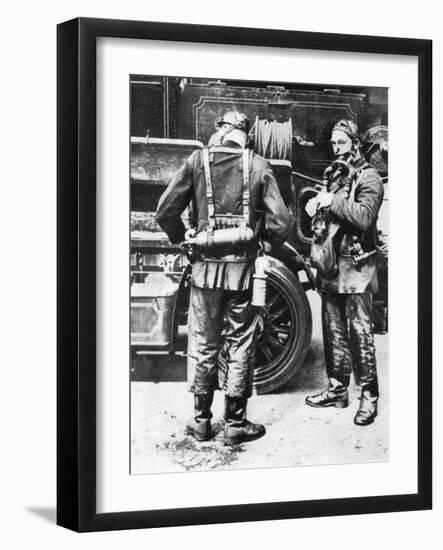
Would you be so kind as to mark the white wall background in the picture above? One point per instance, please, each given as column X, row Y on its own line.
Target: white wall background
column 28, row 278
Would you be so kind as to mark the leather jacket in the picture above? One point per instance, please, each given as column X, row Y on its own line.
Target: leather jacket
column 268, row 215
column 189, row 185
column 357, row 210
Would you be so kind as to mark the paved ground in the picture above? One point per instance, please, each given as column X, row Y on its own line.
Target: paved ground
column 296, row 434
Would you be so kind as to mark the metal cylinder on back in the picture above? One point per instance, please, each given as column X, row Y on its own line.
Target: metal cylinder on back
column 222, row 237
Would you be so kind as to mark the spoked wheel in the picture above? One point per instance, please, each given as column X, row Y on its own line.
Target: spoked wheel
column 285, row 329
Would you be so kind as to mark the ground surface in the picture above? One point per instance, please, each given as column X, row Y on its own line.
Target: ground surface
column 296, row 434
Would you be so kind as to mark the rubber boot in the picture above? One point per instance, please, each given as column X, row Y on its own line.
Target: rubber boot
column 237, row 428
column 200, row 426
column 368, row 408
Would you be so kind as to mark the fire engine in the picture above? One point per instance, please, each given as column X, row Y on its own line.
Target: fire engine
column 291, row 127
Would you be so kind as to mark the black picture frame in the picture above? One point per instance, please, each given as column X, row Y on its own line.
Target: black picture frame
column 76, row 295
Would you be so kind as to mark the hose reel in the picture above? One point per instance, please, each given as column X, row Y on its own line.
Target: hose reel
column 273, row 140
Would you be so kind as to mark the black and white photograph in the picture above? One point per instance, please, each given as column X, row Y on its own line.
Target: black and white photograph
column 259, row 235
column 221, row 302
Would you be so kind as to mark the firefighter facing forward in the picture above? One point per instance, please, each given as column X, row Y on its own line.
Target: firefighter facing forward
column 232, row 191
column 353, row 196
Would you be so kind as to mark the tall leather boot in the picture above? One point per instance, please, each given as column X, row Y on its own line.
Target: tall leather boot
column 336, row 395
column 237, row 428
column 368, row 407
column 200, row 426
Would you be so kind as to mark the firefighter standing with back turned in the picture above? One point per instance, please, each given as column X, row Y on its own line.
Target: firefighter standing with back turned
column 229, row 188
column 348, row 336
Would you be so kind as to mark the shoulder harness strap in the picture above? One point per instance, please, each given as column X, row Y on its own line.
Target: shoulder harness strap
column 365, row 166
column 209, row 189
column 245, row 196
column 356, row 178
column 209, row 192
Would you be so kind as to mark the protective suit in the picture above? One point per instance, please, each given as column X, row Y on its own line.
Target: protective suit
column 347, row 299
column 348, row 336
column 221, row 317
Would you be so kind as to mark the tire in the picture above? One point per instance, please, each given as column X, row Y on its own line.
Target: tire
column 285, row 329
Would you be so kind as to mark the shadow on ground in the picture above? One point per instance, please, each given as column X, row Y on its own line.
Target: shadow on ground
column 310, row 377
column 48, row 514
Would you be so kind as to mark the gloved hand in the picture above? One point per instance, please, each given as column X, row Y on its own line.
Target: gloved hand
column 311, row 206
column 351, row 168
column 322, row 200
column 190, row 234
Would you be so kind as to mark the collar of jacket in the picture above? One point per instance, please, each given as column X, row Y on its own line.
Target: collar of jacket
column 359, row 163
column 224, row 156
column 229, row 144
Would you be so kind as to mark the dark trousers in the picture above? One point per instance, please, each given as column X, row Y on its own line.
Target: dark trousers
column 221, row 321
column 348, row 340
